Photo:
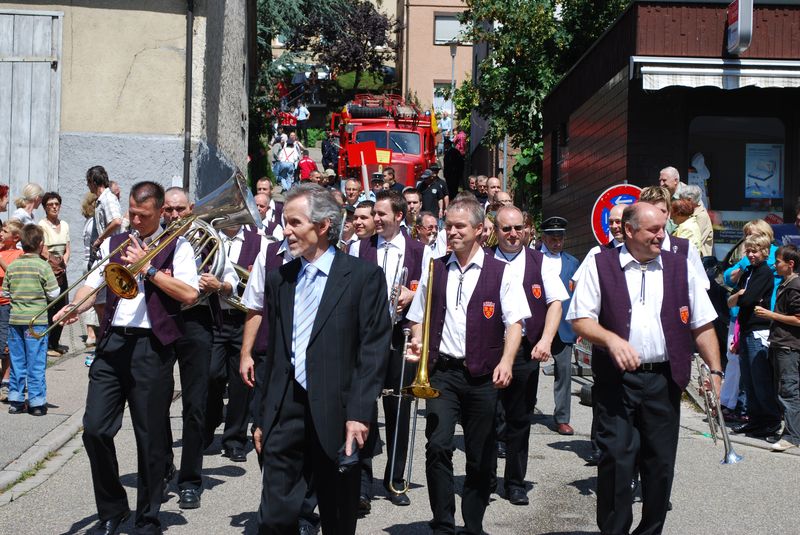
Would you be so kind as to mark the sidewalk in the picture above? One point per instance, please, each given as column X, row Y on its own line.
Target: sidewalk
column 26, row 440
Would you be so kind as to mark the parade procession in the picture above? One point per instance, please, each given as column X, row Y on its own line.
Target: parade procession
column 355, row 267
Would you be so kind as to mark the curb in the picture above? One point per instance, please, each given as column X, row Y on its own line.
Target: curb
column 41, row 449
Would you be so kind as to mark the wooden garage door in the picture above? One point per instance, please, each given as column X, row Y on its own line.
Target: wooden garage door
column 30, row 57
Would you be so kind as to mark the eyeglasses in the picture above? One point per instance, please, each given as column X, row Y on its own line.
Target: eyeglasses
column 179, row 209
column 518, row 228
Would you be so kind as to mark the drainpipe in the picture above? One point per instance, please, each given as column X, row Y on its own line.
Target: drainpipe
column 187, row 120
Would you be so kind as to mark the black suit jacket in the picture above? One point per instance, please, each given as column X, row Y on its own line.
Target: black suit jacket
column 347, row 353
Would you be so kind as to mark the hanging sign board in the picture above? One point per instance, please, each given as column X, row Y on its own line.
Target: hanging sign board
column 739, row 33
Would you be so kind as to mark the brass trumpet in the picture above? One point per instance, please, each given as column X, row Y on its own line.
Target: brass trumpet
column 716, row 421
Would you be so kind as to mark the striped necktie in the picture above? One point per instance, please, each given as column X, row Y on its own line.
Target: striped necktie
column 306, row 301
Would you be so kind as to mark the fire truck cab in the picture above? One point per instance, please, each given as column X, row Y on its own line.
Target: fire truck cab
column 392, row 124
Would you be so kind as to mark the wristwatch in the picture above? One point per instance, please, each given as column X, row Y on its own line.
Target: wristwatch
column 151, row 272
column 718, row 372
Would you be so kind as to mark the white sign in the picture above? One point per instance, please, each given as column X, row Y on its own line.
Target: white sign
column 763, row 169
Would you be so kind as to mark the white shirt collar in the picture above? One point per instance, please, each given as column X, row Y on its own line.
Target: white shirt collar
column 477, row 260
column 625, row 258
column 398, row 241
column 548, row 252
column 284, row 248
column 239, row 236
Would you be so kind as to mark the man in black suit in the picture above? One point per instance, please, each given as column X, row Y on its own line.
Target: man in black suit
column 326, row 360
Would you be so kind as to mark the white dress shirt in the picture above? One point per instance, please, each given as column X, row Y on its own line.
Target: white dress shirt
column 253, row 297
column 646, row 295
column 553, row 287
column 390, row 257
column 133, row 312
column 593, row 251
column 233, row 248
column 551, row 261
column 454, row 334
column 269, row 218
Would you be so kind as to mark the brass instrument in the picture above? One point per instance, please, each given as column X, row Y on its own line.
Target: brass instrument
column 716, row 421
column 235, row 299
column 399, row 280
column 420, row 389
column 231, row 204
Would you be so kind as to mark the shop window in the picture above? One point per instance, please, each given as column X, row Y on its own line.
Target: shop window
column 738, row 162
column 560, row 158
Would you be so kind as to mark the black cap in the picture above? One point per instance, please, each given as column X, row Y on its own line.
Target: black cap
column 350, row 208
column 426, row 174
column 377, row 178
column 554, row 224
column 434, row 167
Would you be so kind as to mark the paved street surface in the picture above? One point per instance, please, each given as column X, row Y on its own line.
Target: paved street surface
column 756, row 496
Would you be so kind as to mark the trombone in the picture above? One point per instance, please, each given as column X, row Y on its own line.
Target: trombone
column 716, row 421
column 420, row 389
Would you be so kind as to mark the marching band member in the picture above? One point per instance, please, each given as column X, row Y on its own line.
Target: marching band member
column 475, row 330
column 393, row 251
column 628, row 302
column 134, row 361
column 242, row 246
column 326, row 357
column 545, row 293
column 193, row 353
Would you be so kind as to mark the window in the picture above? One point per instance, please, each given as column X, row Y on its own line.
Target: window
column 401, row 142
column 560, row 158
column 440, row 103
column 378, row 136
column 446, row 29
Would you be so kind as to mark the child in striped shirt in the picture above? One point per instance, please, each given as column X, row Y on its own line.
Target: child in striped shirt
column 30, row 284
column 9, row 238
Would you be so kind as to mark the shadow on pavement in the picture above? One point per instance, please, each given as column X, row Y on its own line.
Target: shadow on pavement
column 247, row 522
column 586, row 487
column 408, row 529
column 581, row 448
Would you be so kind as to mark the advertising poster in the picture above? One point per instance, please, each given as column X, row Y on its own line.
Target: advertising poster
column 763, row 171
column 728, row 227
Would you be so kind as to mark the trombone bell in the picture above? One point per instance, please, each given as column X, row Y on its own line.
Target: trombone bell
column 120, row 280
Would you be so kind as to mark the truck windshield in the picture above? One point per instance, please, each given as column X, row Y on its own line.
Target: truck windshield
column 402, row 142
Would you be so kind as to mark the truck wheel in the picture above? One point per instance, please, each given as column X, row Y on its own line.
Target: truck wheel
column 365, row 112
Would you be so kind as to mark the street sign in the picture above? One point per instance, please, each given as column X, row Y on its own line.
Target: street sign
column 619, row 194
column 739, row 33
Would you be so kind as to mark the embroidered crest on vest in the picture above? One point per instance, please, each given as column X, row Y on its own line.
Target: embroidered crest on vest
column 413, row 286
column 536, row 290
column 488, row 309
column 684, row 314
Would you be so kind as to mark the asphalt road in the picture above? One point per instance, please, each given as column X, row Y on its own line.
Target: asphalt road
column 756, row 496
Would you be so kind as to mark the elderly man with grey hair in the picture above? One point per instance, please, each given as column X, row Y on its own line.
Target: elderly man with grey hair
column 695, row 194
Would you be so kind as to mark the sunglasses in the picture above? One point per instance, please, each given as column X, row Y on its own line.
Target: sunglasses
column 518, row 228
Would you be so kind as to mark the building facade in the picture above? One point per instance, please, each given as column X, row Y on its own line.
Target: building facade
column 660, row 89
column 104, row 83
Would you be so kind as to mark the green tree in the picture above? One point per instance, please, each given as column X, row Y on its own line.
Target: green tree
column 530, row 46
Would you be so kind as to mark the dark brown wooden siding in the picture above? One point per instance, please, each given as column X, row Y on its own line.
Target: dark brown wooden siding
column 597, row 159
column 698, row 30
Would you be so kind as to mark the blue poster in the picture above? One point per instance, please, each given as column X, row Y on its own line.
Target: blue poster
column 763, row 171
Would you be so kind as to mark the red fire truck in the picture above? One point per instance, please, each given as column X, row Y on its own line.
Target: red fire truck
column 393, row 124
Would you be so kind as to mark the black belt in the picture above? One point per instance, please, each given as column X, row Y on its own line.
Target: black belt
column 132, row 331
column 447, row 362
column 652, row 367
column 232, row 313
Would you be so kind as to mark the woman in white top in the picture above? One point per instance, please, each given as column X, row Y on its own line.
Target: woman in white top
column 29, row 201
column 56, row 252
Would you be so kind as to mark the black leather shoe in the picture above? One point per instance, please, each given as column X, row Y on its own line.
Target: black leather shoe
column 364, row 505
column 41, row 410
column 501, row 450
column 110, row 526
column 399, row 499
column 16, row 407
column 764, row 431
column 744, row 428
column 593, row 459
column 517, row 496
column 189, row 499
column 235, row 454
column 308, row 529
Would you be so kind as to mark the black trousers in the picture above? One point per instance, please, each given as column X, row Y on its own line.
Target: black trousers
column 225, row 371
column 637, row 418
column 517, row 402
column 293, row 456
column 193, row 353
column 54, row 338
column 474, row 399
column 136, row 369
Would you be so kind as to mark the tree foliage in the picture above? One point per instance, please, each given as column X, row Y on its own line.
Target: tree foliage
column 531, row 47
column 357, row 40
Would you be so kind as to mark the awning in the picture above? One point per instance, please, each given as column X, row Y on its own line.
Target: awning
column 660, row 72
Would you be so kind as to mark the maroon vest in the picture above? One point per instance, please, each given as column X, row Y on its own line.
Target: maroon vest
column 615, row 313
column 485, row 327
column 533, row 286
column 250, row 249
column 163, row 312
column 412, row 257
column 274, row 261
column 679, row 246
column 277, row 217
